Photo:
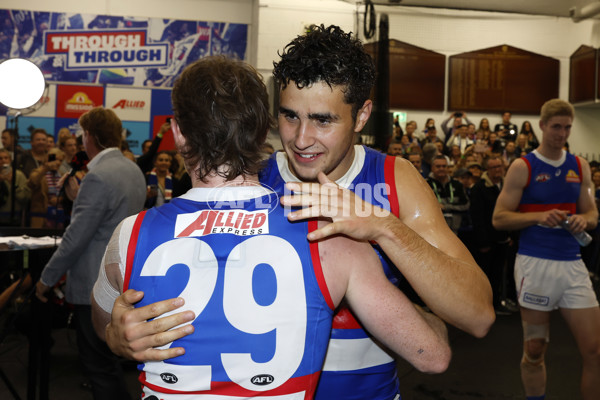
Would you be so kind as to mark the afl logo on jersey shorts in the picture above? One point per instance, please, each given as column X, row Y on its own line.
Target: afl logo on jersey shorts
column 263, row 379
column 167, row 377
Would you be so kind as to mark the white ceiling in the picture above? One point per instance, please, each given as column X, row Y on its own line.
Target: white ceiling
column 558, row 8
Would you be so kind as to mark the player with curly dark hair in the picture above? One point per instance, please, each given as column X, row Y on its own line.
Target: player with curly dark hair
column 332, row 56
column 325, row 78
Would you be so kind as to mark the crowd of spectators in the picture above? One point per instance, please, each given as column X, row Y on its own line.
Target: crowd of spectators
column 43, row 201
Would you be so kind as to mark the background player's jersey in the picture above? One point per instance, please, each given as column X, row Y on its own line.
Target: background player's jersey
column 550, row 186
column 356, row 368
column 263, row 312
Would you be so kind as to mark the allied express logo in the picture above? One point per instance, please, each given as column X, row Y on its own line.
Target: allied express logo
column 79, row 103
column 130, row 104
column 572, row 176
column 235, row 222
column 111, row 48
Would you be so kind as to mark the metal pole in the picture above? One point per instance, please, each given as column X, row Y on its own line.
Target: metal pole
column 14, row 170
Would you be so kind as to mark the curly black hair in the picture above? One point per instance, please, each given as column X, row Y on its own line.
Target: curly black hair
column 332, row 56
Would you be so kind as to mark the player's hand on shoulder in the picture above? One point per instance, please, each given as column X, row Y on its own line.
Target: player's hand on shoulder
column 130, row 334
column 350, row 215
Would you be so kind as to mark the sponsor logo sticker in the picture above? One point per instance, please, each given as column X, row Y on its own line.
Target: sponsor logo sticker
column 572, row 176
column 131, row 104
column 535, row 299
column 236, row 222
column 80, row 102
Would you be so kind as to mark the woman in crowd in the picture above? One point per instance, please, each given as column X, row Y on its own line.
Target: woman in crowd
column 68, row 145
column 484, row 128
column 160, row 181
column 22, row 192
column 455, row 155
column 532, row 140
column 523, row 146
column 428, row 122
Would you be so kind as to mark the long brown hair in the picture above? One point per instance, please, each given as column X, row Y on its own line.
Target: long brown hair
column 222, row 109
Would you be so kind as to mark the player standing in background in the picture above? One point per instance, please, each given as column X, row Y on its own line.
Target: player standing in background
column 542, row 191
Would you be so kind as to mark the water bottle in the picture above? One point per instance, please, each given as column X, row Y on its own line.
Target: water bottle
column 583, row 238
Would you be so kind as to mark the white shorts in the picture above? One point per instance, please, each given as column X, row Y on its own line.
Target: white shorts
column 546, row 285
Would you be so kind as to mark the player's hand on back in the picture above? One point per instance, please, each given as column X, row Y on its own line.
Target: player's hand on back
column 130, row 334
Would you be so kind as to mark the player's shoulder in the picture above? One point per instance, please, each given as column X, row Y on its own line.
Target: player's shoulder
column 518, row 174
column 405, row 172
column 124, row 229
column 519, row 164
column 581, row 160
column 402, row 164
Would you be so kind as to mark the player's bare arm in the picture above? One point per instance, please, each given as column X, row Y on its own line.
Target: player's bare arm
column 127, row 330
column 432, row 258
column 587, row 212
column 506, row 216
column 419, row 243
column 352, row 268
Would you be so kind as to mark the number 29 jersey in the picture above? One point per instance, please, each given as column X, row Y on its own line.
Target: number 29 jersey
column 263, row 312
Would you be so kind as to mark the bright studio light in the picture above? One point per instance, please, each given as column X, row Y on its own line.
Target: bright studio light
column 21, row 83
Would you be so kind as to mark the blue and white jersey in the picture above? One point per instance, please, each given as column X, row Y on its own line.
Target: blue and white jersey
column 263, row 312
column 551, row 185
column 356, row 368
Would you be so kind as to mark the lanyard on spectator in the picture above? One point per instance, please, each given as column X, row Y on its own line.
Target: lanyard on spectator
column 435, row 190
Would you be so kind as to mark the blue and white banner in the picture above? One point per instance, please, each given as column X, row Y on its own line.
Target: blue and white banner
column 103, row 49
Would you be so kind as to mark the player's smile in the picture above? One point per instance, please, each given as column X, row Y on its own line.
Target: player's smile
column 317, row 130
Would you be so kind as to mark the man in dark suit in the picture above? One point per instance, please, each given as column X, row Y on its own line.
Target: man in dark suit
column 113, row 189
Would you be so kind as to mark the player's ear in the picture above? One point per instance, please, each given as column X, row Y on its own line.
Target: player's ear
column 177, row 135
column 363, row 116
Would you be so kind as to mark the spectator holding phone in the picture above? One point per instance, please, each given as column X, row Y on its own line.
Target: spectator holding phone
column 146, row 160
column 22, row 192
column 46, row 209
column 458, row 118
column 506, row 130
